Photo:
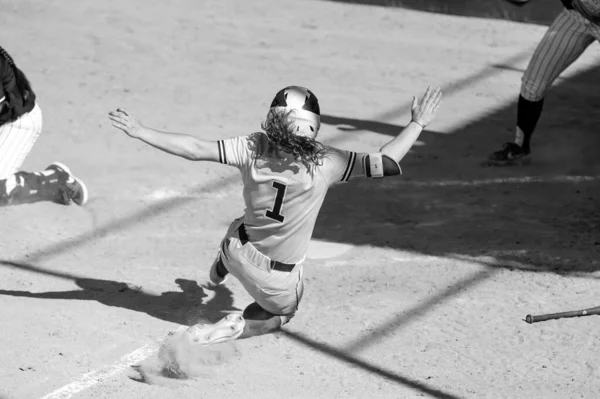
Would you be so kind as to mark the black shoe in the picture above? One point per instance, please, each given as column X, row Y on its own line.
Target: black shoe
column 509, row 154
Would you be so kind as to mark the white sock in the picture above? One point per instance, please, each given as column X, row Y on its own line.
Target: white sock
column 519, row 137
column 12, row 182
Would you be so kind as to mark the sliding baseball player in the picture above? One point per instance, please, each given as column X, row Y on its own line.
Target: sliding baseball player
column 286, row 174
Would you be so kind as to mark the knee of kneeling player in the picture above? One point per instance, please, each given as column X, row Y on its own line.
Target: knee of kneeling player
column 256, row 312
column 532, row 90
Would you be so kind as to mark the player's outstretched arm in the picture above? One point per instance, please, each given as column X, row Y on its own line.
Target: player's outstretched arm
column 183, row 145
column 423, row 113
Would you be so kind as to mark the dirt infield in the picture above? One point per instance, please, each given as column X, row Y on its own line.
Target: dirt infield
column 416, row 286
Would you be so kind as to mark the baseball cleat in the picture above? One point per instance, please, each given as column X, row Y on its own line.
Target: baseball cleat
column 227, row 329
column 509, row 154
column 214, row 276
column 73, row 190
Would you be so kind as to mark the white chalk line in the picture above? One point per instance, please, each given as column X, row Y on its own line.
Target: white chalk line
column 167, row 193
column 504, row 180
column 96, row 377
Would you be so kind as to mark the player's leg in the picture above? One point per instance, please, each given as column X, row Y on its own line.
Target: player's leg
column 55, row 184
column 228, row 328
column 218, row 271
column 25, row 188
column 253, row 322
column 277, row 294
column 276, row 301
column 17, row 139
column 566, row 39
column 260, row 321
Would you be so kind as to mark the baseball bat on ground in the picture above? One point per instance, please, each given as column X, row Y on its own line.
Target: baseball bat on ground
column 551, row 316
column 518, row 3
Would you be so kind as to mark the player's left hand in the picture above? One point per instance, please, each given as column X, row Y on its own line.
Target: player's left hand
column 424, row 112
column 122, row 119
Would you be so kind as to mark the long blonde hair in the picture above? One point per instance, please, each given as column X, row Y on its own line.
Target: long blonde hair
column 281, row 131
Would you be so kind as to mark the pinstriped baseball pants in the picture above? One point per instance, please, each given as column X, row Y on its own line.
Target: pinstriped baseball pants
column 17, row 139
column 566, row 39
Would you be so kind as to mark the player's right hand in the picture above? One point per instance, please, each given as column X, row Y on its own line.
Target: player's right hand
column 423, row 112
column 122, row 119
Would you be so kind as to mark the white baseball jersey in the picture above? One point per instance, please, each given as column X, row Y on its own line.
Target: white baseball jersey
column 282, row 196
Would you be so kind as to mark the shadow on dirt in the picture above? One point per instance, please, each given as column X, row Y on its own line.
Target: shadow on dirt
column 448, row 203
column 378, row 370
column 187, row 307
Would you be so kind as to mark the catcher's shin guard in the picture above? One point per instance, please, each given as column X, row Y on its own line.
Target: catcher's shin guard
column 25, row 188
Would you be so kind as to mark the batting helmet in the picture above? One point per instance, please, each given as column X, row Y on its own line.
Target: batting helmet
column 304, row 108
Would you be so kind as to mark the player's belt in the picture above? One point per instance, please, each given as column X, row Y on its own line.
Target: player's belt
column 275, row 265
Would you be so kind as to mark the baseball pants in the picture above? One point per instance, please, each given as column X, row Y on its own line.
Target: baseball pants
column 566, row 39
column 278, row 292
column 17, row 139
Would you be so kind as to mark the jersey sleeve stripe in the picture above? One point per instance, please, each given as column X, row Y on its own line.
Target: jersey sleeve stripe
column 224, row 153
column 222, row 157
column 349, row 167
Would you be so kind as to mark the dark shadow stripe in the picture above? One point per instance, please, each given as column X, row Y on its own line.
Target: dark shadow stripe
column 35, row 269
column 371, row 368
column 405, row 317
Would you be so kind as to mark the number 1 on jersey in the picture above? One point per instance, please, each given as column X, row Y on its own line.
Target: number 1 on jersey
column 275, row 213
